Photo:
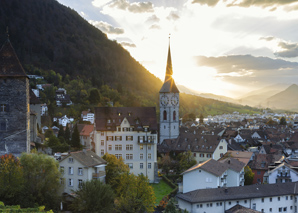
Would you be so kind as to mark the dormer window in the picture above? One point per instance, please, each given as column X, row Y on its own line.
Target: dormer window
column 137, row 121
column 109, row 121
column 129, row 113
column 119, row 113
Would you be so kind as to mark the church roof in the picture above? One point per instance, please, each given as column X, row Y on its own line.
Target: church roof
column 10, row 65
column 169, row 83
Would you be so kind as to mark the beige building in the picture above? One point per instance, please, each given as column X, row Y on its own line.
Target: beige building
column 81, row 166
column 129, row 133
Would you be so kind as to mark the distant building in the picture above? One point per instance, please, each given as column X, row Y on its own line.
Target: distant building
column 62, row 98
column 14, row 104
column 87, row 135
column 88, row 116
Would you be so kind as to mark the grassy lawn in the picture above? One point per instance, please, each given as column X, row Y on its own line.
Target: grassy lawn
column 160, row 190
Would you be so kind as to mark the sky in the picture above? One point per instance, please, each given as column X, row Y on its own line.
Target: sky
column 224, row 47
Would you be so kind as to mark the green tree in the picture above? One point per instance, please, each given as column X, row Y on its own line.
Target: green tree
column 75, row 138
column 201, row 119
column 134, row 194
column 49, row 133
column 93, row 196
column 61, row 131
column 271, row 122
column 282, row 121
column 11, row 179
column 41, row 180
column 114, row 169
column 248, row 176
column 165, row 163
column 94, row 96
column 186, row 160
column 53, row 141
column 67, row 134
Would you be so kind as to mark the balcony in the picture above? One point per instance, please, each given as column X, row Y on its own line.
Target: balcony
column 142, row 141
column 98, row 175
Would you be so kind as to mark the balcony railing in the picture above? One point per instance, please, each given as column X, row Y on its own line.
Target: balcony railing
column 98, row 175
column 142, row 141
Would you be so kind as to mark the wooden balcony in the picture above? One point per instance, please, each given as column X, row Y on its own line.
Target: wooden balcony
column 98, row 175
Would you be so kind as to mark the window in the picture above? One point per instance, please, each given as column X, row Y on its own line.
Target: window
column 109, row 138
column 102, row 133
column 258, row 172
column 80, row 183
column 102, row 152
column 149, row 147
column 129, row 138
column 70, row 170
column 174, row 116
column 262, row 210
column 279, row 209
column 102, row 142
column 141, row 156
column 141, row 139
column 149, row 156
column 230, row 202
column 129, row 156
column 220, row 203
column 141, row 165
column 285, row 209
column 164, row 115
column 220, row 147
column 129, row 147
column 202, row 155
column 130, row 165
column 210, row 204
column 118, row 138
column 208, row 155
column 149, row 165
column 62, row 169
column 245, row 201
column 80, row 171
column 270, row 209
column 70, row 182
column 278, row 198
column 286, row 197
column 110, row 147
column 62, row 181
column 207, row 204
column 221, row 155
column 118, row 147
column 119, row 129
column 118, row 156
column 262, row 200
column 141, row 147
column 70, row 160
column 254, row 206
column 3, row 108
column 270, row 199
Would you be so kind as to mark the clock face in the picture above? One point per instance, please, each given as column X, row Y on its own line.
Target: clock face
column 164, row 100
column 174, row 100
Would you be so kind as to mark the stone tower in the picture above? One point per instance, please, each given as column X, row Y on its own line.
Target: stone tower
column 169, row 105
column 14, row 103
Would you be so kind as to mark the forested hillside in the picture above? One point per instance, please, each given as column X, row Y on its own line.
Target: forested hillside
column 53, row 40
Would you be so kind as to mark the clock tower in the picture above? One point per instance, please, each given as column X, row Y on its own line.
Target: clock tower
column 169, row 105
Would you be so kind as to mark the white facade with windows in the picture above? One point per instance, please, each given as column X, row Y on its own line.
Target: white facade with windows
column 78, row 167
column 263, row 198
column 130, row 136
column 281, row 174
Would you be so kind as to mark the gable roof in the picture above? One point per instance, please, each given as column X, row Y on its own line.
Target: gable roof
column 240, row 209
column 263, row 161
column 136, row 116
column 239, row 193
column 239, row 155
column 10, row 65
column 87, row 158
column 233, row 164
column 210, row 166
column 86, row 130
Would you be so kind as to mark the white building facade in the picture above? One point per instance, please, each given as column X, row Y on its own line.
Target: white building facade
column 129, row 133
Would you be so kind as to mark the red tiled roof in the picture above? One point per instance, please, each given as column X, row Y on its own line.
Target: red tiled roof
column 86, row 130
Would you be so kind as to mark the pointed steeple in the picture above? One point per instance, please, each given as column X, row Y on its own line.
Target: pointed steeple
column 169, row 83
column 10, row 65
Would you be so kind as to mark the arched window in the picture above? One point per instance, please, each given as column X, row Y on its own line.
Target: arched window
column 164, row 115
column 174, row 116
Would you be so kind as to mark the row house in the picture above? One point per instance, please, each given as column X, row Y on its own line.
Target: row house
column 129, row 133
column 81, row 166
column 204, row 147
column 213, row 174
column 280, row 197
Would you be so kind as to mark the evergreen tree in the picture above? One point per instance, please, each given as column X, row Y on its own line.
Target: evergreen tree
column 282, row 121
column 61, row 131
column 67, row 134
column 75, row 138
column 201, row 118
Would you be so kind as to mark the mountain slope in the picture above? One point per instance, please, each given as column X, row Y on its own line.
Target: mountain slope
column 285, row 99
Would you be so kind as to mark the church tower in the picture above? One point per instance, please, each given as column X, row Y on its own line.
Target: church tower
column 169, row 105
column 14, row 104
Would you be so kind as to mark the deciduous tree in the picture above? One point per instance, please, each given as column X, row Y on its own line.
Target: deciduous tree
column 248, row 176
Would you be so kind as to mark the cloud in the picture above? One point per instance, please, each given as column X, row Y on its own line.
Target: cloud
column 248, row 3
column 240, row 63
column 128, row 44
column 289, row 50
column 210, row 3
column 106, row 28
column 136, row 7
column 249, row 71
column 155, row 27
column 173, row 16
column 268, row 38
column 153, row 19
column 100, row 3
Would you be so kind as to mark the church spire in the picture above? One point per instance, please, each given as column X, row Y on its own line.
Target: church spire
column 169, row 83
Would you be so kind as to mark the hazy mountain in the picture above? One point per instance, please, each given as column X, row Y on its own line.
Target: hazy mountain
column 257, row 97
column 285, row 99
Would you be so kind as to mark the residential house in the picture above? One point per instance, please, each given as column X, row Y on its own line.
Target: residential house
column 88, row 116
column 81, row 166
column 203, row 147
column 62, row 98
column 130, row 133
column 44, row 109
column 214, row 174
column 86, row 135
column 261, row 163
column 63, row 120
column 281, row 174
column 280, row 197
column 242, row 156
